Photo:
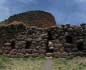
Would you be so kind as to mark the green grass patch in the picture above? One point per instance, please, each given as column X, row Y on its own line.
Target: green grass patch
column 30, row 63
column 77, row 63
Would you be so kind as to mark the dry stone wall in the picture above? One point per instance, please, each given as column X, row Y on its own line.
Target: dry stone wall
column 58, row 41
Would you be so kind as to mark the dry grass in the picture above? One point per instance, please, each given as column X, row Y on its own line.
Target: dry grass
column 22, row 64
column 77, row 63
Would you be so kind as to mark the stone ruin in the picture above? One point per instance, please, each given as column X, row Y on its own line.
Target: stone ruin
column 20, row 40
column 33, row 18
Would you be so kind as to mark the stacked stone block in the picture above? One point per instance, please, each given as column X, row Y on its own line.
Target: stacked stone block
column 58, row 41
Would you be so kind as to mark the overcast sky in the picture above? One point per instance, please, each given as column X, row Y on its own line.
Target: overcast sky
column 65, row 11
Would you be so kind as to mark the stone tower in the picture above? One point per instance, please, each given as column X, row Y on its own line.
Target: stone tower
column 34, row 18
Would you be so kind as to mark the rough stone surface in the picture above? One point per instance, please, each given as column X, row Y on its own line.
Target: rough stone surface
column 34, row 41
column 57, row 41
column 34, row 18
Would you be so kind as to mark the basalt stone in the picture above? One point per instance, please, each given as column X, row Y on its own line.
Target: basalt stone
column 20, row 44
column 22, row 39
column 83, row 29
column 13, row 52
column 68, row 47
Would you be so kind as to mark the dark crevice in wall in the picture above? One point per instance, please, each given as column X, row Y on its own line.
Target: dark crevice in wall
column 80, row 46
column 27, row 44
column 48, row 48
column 69, row 39
column 13, row 44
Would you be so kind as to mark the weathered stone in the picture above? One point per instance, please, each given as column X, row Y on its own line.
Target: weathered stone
column 57, row 41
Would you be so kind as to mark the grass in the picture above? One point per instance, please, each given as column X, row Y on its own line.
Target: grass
column 3, row 61
column 21, row 63
column 77, row 63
